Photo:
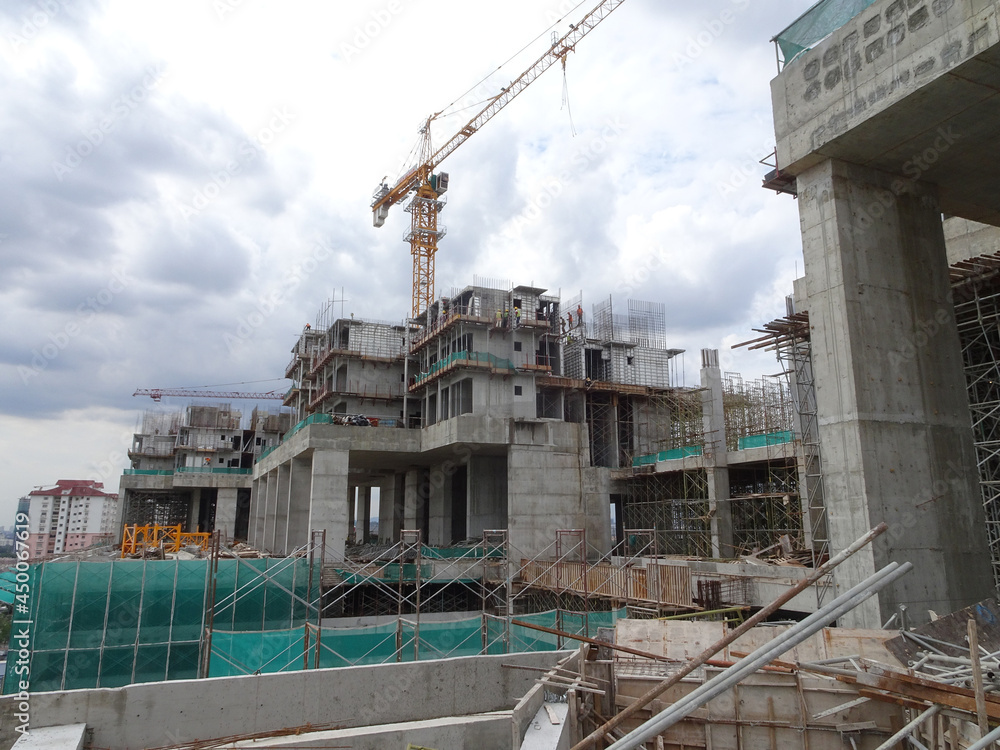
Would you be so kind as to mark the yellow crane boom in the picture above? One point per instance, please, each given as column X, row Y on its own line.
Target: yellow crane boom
column 426, row 205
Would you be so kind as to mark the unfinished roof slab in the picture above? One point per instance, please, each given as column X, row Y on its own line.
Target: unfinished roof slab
column 908, row 88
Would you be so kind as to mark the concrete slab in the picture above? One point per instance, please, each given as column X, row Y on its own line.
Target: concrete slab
column 66, row 737
column 910, row 89
column 543, row 733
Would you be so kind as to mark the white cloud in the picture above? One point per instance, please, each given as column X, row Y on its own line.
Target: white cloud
column 232, row 190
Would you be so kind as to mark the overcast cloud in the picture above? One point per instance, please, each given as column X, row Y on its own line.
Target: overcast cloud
column 183, row 184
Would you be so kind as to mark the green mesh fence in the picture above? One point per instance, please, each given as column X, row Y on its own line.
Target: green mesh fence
column 403, row 640
column 108, row 624
column 769, row 438
column 816, row 24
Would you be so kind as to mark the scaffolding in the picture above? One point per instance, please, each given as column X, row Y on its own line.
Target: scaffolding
column 977, row 314
column 755, row 407
column 676, row 506
column 789, row 338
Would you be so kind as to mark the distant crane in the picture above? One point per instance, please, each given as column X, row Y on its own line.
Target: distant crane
column 429, row 187
column 158, row 393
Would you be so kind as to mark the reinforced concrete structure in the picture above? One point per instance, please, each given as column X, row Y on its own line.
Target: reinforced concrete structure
column 505, row 408
column 882, row 126
column 192, row 468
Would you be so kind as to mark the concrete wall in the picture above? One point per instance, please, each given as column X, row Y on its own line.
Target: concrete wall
column 487, row 494
column 168, row 713
column 548, row 490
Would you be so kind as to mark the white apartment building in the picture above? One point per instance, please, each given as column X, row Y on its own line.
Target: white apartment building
column 71, row 516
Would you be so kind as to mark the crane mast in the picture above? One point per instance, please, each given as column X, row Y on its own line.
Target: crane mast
column 428, row 187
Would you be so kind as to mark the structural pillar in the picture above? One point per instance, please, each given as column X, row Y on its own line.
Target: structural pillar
column 278, row 544
column 716, row 455
column 412, row 500
column 194, row 510
column 366, row 515
column 328, row 497
column 891, row 395
column 257, row 502
column 299, row 485
column 352, row 515
column 225, row 512
column 270, row 509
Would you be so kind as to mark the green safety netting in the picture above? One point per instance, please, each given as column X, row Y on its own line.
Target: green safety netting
column 816, row 24
column 107, row 624
column 669, row 455
column 770, row 438
column 8, row 586
column 402, row 640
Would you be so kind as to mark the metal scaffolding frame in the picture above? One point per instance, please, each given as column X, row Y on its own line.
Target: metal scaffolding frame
column 789, row 338
column 977, row 314
column 676, row 505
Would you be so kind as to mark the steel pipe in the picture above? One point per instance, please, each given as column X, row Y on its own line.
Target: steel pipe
column 905, row 731
column 765, row 654
column 654, row 692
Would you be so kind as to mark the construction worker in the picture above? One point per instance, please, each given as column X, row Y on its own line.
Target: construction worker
column 570, row 316
column 498, row 317
column 517, row 317
column 579, row 315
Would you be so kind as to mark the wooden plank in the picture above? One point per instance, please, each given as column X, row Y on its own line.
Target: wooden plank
column 922, row 692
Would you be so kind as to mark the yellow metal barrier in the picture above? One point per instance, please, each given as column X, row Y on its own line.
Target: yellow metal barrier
column 170, row 538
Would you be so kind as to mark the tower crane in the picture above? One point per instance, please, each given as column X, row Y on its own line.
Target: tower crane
column 428, row 187
column 158, row 393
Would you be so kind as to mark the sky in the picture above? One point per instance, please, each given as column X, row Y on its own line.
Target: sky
column 183, row 185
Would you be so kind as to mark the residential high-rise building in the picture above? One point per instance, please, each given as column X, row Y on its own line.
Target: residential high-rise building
column 71, row 516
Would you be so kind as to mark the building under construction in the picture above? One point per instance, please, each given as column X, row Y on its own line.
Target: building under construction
column 193, row 467
column 533, row 453
column 504, row 407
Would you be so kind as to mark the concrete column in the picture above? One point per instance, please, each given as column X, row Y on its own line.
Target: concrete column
column 270, row 509
column 225, row 511
column 716, row 455
column 257, row 502
column 366, row 515
column 328, row 497
column 281, row 510
column 388, row 530
column 352, row 515
column 412, row 499
column 891, row 394
column 439, row 500
column 299, row 486
column 194, row 510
